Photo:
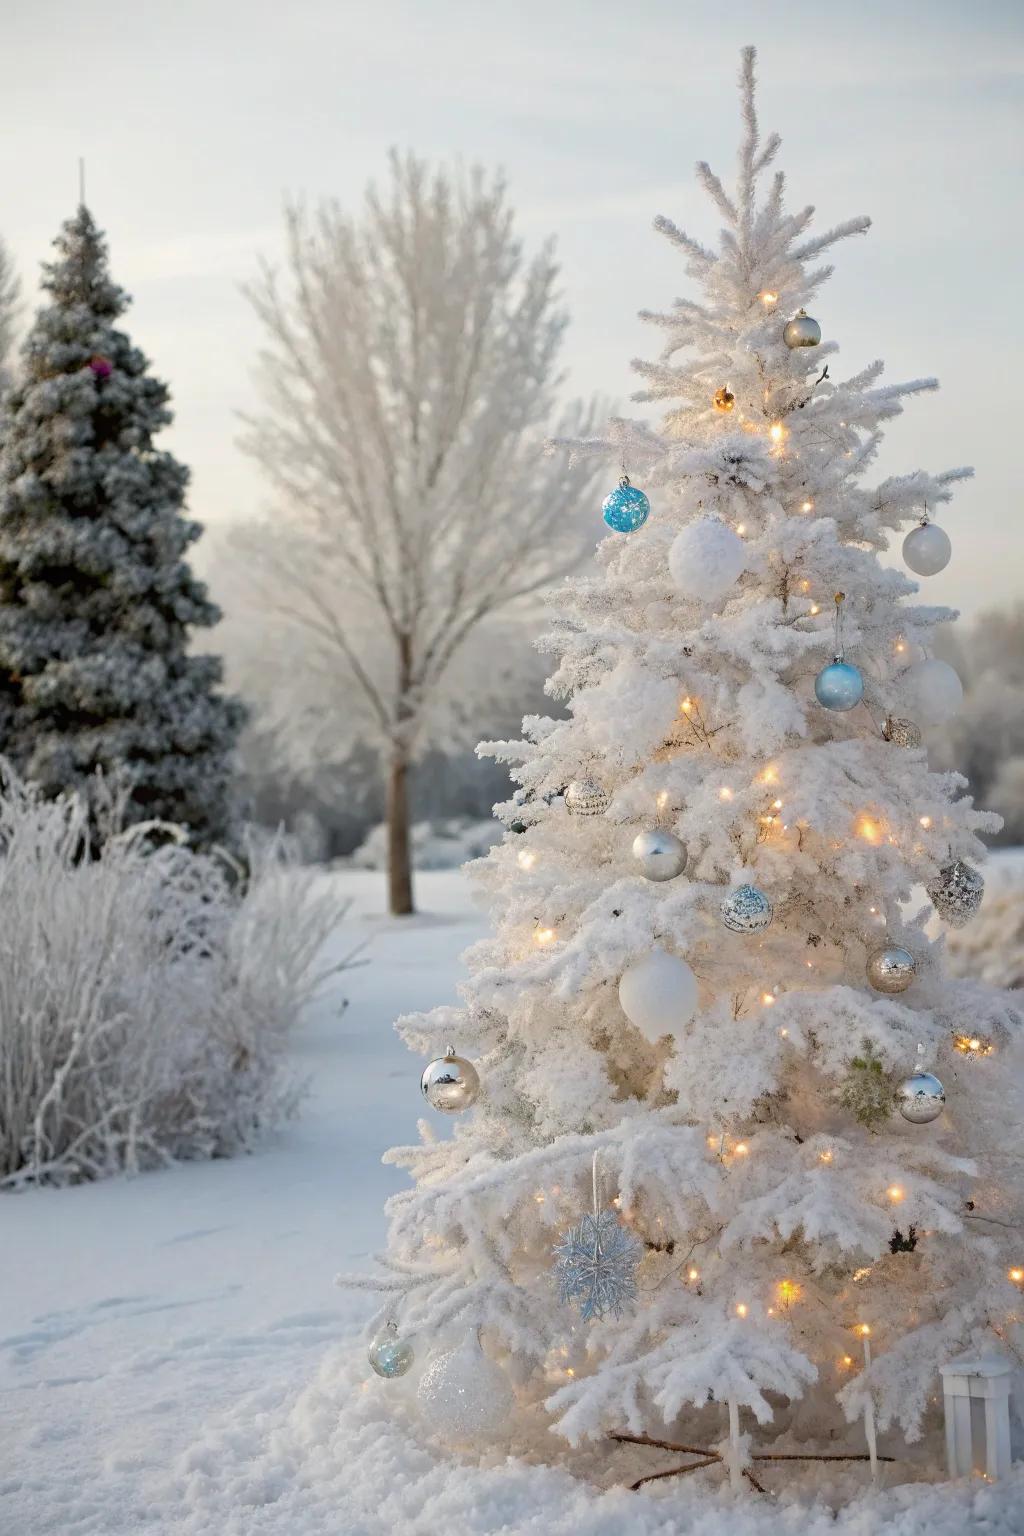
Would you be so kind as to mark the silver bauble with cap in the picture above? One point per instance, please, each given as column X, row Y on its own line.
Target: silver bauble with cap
column 451, row 1083
column 920, row 1098
column 801, row 331
column 891, row 969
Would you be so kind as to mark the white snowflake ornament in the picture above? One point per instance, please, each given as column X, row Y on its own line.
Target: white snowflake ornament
column 597, row 1263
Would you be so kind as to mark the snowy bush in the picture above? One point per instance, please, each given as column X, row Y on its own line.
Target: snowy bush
column 435, row 844
column 145, row 997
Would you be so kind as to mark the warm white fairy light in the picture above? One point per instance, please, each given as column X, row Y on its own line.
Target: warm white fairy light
column 768, row 299
column 767, row 998
column 693, row 1273
column 1017, row 1275
column 807, row 506
column 741, row 529
column 725, row 793
column 741, row 1149
column 742, row 1309
column 895, row 1193
column 777, row 432
column 526, row 859
column 544, row 936
column 924, row 821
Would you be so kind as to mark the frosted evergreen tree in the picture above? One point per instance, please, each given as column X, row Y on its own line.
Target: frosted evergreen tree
column 710, row 1008
column 97, row 598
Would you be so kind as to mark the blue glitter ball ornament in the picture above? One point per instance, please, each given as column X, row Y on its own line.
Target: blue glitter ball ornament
column 626, row 508
column 839, row 686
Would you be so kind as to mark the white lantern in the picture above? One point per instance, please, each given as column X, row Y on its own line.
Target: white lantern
column 658, row 994
column 705, row 559
column 976, row 1396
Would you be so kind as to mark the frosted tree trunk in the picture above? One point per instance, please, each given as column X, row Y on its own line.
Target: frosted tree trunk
column 399, row 862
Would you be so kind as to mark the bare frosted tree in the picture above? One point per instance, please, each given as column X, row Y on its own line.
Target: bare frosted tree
column 409, row 373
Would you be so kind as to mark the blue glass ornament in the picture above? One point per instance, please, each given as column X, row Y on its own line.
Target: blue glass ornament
column 626, row 508
column 839, row 686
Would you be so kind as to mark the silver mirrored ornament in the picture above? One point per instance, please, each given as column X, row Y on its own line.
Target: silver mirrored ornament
column 451, row 1083
column 902, row 733
column 660, row 854
column 891, row 969
column 839, row 686
column 586, row 797
column 920, row 1098
column 596, row 1263
column 956, row 895
column 389, row 1354
column 802, row 331
column 927, row 550
column 746, row 910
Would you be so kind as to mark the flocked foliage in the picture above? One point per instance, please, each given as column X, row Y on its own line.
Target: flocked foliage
column 97, row 599
column 734, row 1147
column 145, row 1000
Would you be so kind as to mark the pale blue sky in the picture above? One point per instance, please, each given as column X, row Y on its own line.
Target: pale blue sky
column 195, row 118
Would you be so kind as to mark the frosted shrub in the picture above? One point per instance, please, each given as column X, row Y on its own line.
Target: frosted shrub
column 144, row 1002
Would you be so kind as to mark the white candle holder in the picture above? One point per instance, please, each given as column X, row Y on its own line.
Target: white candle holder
column 976, row 1398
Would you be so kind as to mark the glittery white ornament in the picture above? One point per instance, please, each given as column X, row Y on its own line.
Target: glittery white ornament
column 931, row 691
column 597, row 1263
column 705, row 559
column 658, row 994
column 586, row 797
column 463, row 1394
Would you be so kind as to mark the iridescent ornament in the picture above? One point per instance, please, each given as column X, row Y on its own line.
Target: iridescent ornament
column 451, row 1083
column 746, row 910
column 926, row 549
column 891, row 969
column 390, row 1354
column 724, row 399
column 626, row 508
column 902, row 733
column 801, row 331
column 596, row 1265
column 660, row 854
column 920, row 1098
column 463, row 1394
column 658, row 994
column 705, row 559
column 932, row 691
column 586, row 797
column 957, row 893
column 839, row 686
column 101, row 367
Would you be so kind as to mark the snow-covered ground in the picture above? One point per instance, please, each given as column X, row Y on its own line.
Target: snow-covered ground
column 174, row 1357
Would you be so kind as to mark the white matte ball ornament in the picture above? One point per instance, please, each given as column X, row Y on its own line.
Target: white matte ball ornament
column 463, row 1394
column 658, row 994
column 706, row 558
column 920, row 1098
column 932, row 691
column 926, row 549
column 660, row 854
column 451, row 1083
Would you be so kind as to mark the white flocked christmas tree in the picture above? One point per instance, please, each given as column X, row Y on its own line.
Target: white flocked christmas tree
column 723, row 1070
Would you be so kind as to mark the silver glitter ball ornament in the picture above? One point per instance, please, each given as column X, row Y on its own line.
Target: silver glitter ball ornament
column 902, row 733
column 660, row 854
column 802, row 331
column 451, row 1083
column 463, row 1394
column 746, row 910
column 956, row 894
column 891, row 969
column 390, row 1354
column 920, row 1098
column 585, row 797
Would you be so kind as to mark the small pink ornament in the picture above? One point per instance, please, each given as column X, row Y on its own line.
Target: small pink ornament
column 102, row 367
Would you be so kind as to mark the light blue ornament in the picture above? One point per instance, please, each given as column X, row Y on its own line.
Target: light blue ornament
column 389, row 1354
column 596, row 1265
column 839, row 686
column 626, row 508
